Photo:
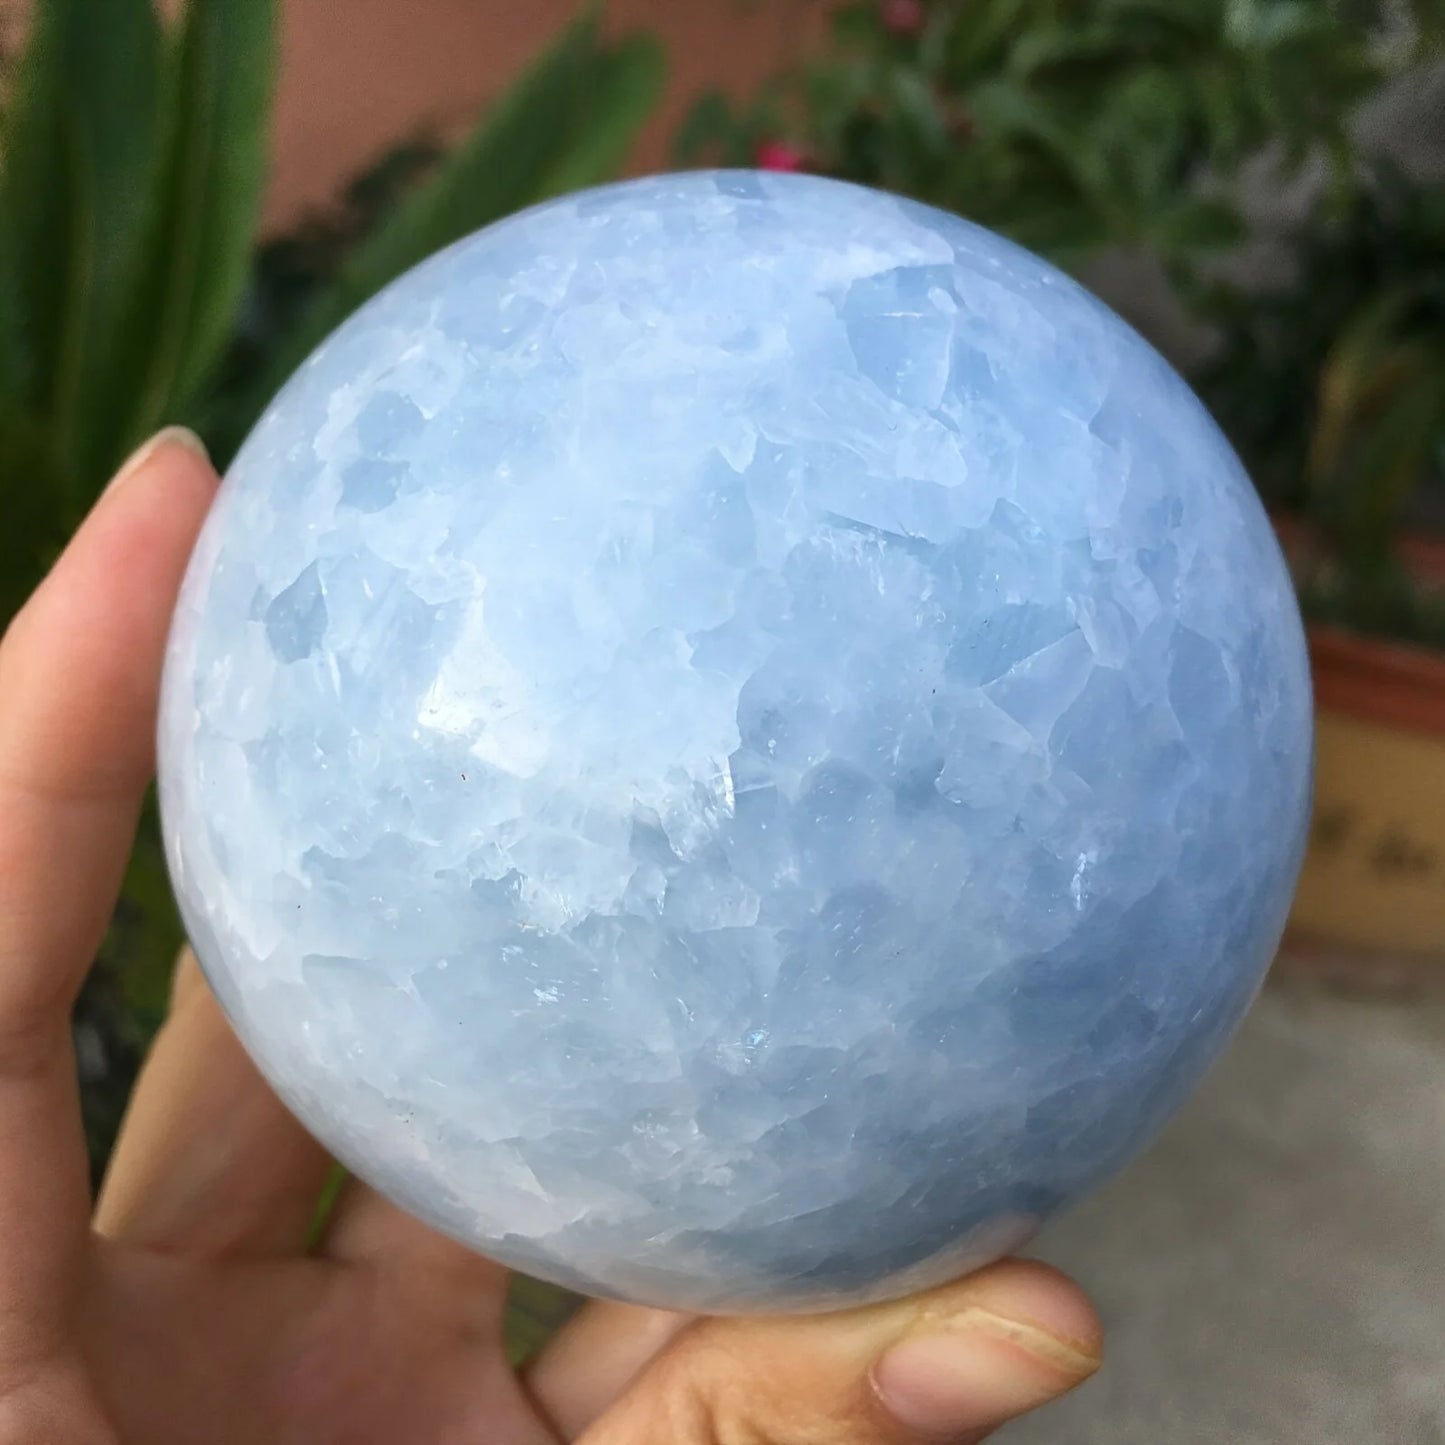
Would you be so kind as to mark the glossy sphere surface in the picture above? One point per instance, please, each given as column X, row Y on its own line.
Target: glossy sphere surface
column 736, row 742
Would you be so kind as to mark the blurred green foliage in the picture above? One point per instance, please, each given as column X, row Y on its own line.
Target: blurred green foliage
column 1332, row 384
column 133, row 163
column 1067, row 124
column 1077, row 126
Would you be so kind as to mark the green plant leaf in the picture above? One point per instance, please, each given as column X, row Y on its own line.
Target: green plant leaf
column 568, row 122
column 1363, row 364
column 33, row 216
column 625, row 89
column 205, row 227
column 32, row 530
column 113, row 127
column 1060, row 52
column 1009, row 110
column 151, row 926
column 81, row 148
column 535, row 1311
column 983, row 34
column 336, row 1177
column 1387, row 453
column 1197, row 225
column 708, row 124
column 32, row 224
column 857, row 25
column 915, row 104
column 1266, row 23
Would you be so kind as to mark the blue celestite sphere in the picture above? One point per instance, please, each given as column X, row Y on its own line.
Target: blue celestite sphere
column 735, row 741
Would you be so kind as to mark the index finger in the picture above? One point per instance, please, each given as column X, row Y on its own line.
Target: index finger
column 79, row 674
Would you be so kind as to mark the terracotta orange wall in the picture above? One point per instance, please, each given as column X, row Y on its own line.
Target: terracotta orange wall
column 358, row 75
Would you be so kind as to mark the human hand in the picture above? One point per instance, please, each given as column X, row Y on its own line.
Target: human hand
column 193, row 1309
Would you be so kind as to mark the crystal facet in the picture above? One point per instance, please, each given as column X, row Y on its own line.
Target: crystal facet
column 735, row 741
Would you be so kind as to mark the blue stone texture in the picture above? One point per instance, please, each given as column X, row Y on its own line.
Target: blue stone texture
column 736, row 742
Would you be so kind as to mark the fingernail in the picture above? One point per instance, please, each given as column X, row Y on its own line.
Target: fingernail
column 975, row 1372
column 179, row 436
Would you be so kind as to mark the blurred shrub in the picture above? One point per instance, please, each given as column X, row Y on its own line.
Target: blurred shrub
column 133, row 293
column 1333, row 385
column 1066, row 125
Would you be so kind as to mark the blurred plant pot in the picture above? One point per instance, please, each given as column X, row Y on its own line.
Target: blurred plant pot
column 1371, row 903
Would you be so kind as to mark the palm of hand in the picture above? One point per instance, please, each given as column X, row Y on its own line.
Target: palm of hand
column 214, row 1322
column 298, row 1351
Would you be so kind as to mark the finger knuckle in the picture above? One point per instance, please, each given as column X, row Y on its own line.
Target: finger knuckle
column 727, row 1398
column 683, row 1406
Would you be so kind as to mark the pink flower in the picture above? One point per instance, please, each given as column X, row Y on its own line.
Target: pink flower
column 779, row 155
column 903, row 17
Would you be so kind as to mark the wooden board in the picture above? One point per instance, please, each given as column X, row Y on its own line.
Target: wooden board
column 1374, row 877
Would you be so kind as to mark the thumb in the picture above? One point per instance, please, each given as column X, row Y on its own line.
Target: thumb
column 952, row 1364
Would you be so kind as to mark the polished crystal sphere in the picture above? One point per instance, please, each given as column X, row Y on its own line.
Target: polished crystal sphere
column 735, row 741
